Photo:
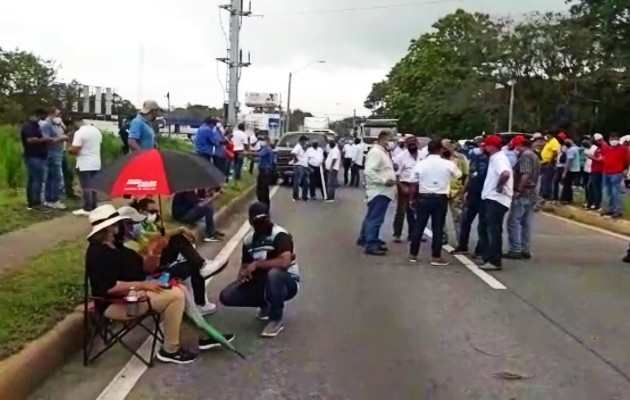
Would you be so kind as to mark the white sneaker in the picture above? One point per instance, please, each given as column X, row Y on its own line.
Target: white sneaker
column 210, row 268
column 49, row 205
column 208, row 308
column 81, row 213
column 59, row 205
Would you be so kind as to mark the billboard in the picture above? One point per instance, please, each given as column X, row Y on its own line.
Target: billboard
column 262, row 99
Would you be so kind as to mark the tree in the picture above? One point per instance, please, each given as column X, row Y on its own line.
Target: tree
column 297, row 119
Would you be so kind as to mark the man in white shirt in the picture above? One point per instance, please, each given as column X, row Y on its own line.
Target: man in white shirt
column 380, row 185
column 315, row 156
column 252, row 140
column 86, row 145
column 357, row 162
column 347, row 152
column 399, row 148
column 406, row 160
column 333, row 165
column 239, row 140
column 300, row 169
column 498, row 189
column 434, row 175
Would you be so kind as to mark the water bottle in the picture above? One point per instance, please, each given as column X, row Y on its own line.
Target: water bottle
column 132, row 302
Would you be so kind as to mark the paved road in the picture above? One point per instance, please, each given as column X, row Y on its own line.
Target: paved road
column 379, row 328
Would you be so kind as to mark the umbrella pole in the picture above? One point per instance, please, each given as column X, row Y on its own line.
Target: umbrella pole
column 162, row 229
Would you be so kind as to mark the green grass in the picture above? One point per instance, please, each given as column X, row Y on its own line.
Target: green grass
column 14, row 215
column 37, row 295
column 579, row 200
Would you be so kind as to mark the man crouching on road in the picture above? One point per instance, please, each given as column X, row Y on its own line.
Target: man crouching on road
column 269, row 273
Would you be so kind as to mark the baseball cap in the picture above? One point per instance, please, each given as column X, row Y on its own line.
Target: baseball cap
column 258, row 210
column 492, row 140
column 537, row 135
column 148, row 106
column 598, row 136
column 562, row 135
column 518, row 140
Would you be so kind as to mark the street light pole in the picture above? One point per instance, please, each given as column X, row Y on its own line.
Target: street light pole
column 289, row 90
column 511, row 117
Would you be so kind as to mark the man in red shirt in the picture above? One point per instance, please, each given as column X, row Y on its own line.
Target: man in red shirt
column 616, row 160
column 596, row 175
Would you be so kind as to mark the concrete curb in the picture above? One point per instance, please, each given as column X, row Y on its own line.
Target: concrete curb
column 23, row 372
column 620, row 226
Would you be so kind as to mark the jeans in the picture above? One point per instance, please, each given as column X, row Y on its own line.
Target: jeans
column 434, row 206
column 492, row 214
column 404, row 210
column 374, row 218
column 332, row 184
column 472, row 208
column 35, row 179
column 270, row 289
column 595, row 183
column 347, row 164
column 557, row 179
column 89, row 196
column 546, row 181
column 238, row 165
column 316, row 181
column 567, row 187
column 263, row 181
column 54, row 177
column 519, row 225
column 300, row 180
column 614, row 193
column 196, row 214
column 355, row 175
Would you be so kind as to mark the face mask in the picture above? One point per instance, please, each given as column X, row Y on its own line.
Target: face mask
column 477, row 151
column 390, row 146
column 614, row 143
column 56, row 120
column 401, row 145
column 315, row 145
column 152, row 217
column 447, row 154
column 412, row 149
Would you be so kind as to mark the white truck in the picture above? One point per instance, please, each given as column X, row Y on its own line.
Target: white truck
column 369, row 130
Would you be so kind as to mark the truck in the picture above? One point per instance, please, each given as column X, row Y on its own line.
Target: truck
column 316, row 124
column 369, row 130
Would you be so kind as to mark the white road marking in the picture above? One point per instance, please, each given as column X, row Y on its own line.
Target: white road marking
column 592, row 228
column 126, row 379
column 472, row 266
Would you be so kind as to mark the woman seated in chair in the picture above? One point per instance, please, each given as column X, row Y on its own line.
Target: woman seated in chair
column 114, row 270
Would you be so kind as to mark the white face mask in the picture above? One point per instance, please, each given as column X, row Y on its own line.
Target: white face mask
column 56, row 121
column 390, row 146
column 614, row 143
column 152, row 217
column 477, row 151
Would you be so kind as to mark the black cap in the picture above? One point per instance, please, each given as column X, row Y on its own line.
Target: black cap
column 258, row 210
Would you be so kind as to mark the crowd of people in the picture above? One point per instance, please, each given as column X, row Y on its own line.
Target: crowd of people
column 488, row 180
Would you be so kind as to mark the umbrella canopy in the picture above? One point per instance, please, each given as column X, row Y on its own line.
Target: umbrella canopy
column 157, row 172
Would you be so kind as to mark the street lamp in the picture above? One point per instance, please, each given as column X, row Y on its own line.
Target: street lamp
column 511, row 112
column 286, row 129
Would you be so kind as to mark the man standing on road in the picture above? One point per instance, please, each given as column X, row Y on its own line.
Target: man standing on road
column 265, row 170
column 141, row 133
column 615, row 169
column 315, row 156
column 406, row 160
column 86, row 145
column 520, row 219
column 380, row 184
column 571, row 171
column 53, row 128
column 35, row 151
column 434, row 175
column 333, row 165
column 595, row 181
column 498, row 189
column 347, row 151
column 549, row 155
column 269, row 273
column 239, row 139
column 357, row 162
column 300, row 169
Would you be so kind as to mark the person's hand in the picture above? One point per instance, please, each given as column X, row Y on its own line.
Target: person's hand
column 189, row 234
column 245, row 274
column 499, row 189
column 155, row 287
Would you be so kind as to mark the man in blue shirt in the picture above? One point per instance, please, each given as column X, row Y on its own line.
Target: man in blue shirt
column 472, row 201
column 266, row 167
column 53, row 129
column 35, row 147
column 210, row 143
column 141, row 133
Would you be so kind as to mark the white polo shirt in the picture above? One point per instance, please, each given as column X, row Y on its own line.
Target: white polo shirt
column 315, row 156
column 300, row 154
column 357, row 154
column 498, row 164
column 88, row 138
column 239, row 139
column 333, row 161
column 397, row 151
column 406, row 162
column 434, row 175
column 348, row 150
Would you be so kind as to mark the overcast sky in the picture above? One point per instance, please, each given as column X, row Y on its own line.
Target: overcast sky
column 99, row 43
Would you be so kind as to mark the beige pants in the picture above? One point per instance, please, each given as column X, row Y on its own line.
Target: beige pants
column 170, row 304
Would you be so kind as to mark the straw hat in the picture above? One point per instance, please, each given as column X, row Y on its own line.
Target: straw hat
column 102, row 217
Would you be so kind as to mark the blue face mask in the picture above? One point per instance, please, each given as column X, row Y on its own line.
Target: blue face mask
column 135, row 232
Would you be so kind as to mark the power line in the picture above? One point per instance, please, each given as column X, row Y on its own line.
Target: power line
column 366, row 8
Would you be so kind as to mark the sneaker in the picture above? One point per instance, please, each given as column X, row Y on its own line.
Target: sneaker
column 272, row 329
column 413, row 259
column 626, row 259
column 376, row 252
column 59, row 205
column 81, row 213
column 263, row 314
column 459, row 250
column 397, row 239
column 209, row 343
column 181, row 356
column 490, row 267
column 331, row 201
column 513, row 255
column 219, row 234
column 49, row 205
column 439, row 262
column 212, row 239
column 526, row 255
column 207, row 309
column 211, row 268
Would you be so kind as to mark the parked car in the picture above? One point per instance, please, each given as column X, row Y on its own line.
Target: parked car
column 284, row 159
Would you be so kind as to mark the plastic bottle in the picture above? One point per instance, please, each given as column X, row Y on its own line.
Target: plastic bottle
column 132, row 302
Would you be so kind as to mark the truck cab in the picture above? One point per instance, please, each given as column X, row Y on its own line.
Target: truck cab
column 369, row 130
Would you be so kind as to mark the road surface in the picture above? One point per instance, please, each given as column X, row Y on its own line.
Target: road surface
column 379, row 328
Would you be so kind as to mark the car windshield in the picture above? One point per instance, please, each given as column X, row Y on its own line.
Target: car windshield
column 292, row 140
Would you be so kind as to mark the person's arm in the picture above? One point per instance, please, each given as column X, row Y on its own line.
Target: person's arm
column 283, row 244
column 77, row 142
column 456, row 173
column 33, row 134
column 136, row 128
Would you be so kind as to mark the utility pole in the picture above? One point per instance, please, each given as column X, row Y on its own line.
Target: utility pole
column 288, row 119
column 511, row 115
column 234, row 60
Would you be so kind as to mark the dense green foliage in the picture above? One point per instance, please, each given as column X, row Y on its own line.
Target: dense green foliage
column 570, row 72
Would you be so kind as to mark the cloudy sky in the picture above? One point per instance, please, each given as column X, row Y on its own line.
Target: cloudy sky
column 101, row 43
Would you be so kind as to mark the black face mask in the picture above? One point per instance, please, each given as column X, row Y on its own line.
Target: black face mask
column 401, row 145
column 315, row 145
column 447, row 154
column 412, row 149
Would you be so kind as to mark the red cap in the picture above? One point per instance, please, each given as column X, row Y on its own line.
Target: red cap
column 492, row 140
column 518, row 140
column 562, row 135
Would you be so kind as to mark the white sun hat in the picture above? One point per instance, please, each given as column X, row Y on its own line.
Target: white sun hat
column 102, row 217
column 131, row 213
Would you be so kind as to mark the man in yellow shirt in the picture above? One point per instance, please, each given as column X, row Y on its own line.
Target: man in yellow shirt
column 549, row 155
column 457, row 185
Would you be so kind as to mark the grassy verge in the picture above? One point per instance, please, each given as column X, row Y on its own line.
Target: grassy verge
column 36, row 296
column 14, row 215
column 579, row 199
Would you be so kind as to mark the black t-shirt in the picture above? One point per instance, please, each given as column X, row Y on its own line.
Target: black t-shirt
column 282, row 243
column 106, row 266
column 30, row 129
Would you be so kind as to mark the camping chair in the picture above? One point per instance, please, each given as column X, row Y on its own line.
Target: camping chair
column 96, row 325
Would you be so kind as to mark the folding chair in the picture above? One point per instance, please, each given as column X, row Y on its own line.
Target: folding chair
column 111, row 332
